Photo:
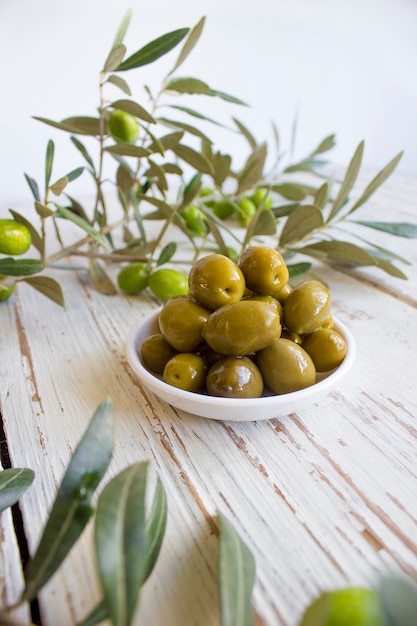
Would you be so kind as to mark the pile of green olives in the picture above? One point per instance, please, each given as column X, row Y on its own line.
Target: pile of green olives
column 242, row 331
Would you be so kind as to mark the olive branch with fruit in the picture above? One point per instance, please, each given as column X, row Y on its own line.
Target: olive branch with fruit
column 174, row 186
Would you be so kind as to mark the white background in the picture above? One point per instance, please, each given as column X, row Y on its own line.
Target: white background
column 344, row 67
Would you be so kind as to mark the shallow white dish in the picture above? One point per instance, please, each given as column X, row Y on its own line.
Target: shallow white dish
column 233, row 409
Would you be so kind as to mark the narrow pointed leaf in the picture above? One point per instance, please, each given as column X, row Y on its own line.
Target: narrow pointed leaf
column 327, row 144
column 246, row 133
column 77, row 208
column 321, row 196
column 96, row 616
column 48, row 287
column 33, row 187
column 169, row 141
column 348, row 181
column 227, row 97
column 20, row 267
column 171, row 168
column 167, row 253
column 36, row 238
column 120, row 540
column 13, row 484
column 116, row 56
column 196, row 114
column 390, row 268
column 132, row 107
column 187, row 85
column 191, row 190
column 380, row 178
column 126, row 149
column 155, row 528
column 58, row 187
column 121, row 31
column 100, row 279
column 265, row 224
column 119, row 82
column 236, row 577
column 296, row 269
column 193, row 158
column 81, row 147
column 79, row 221
column 339, row 251
column 48, row 162
column 153, row 50
column 74, row 174
column 290, row 191
column 300, row 222
column 71, row 509
column 83, row 125
column 253, row 169
column 189, row 44
column 222, row 164
column 42, row 210
column 183, row 126
column 400, row 229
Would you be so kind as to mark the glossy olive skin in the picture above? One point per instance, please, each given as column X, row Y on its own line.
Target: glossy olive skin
column 285, row 366
column 235, row 377
column 326, row 347
column 186, row 371
column 155, row 353
column 215, row 280
column 181, row 321
column 276, row 303
column 306, row 307
column 243, row 327
column 264, row 269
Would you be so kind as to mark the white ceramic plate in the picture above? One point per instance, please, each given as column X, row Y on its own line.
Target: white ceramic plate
column 233, row 409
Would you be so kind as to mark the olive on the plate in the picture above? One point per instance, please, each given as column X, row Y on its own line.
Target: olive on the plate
column 306, row 307
column 243, row 327
column 156, row 352
column 186, row 371
column 326, row 347
column 216, row 280
column 264, row 269
column 286, row 366
column 235, row 377
column 181, row 321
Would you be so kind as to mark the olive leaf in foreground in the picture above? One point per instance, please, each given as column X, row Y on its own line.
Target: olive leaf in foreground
column 13, row 483
column 399, row 600
column 126, row 545
column 236, row 577
column 72, row 509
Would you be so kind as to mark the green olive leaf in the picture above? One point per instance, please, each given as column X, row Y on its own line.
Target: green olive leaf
column 74, row 174
column 49, row 158
column 66, row 213
column 377, row 182
column 296, row 269
column 172, row 168
column 398, row 596
column 187, row 85
column 300, row 222
column 58, row 187
column 37, row 240
column 126, row 149
column 119, row 82
column 196, row 114
column 236, row 570
column 183, row 126
column 321, row 196
column 120, row 540
column 153, row 50
column 290, row 191
column 193, row 158
column 390, row 268
column 100, row 279
column 246, row 133
column 399, row 229
column 189, row 44
column 76, row 125
column 115, row 57
column 348, row 181
column 97, row 615
column 252, row 171
column 339, row 251
column 42, row 210
column 167, row 253
column 13, row 484
column 121, row 31
column 222, row 167
column 191, row 190
column 33, row 185
column 227, row 97
column 327, row 144
column 81, row 147
column 71, row 509
column 155, row 171
column 77, row 208
column 265, row 224
column 168, row 141
column 20, row 267
column 129, row 106
column 48, row 287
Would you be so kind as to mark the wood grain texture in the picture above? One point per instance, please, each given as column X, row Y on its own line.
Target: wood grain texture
column 323, row 498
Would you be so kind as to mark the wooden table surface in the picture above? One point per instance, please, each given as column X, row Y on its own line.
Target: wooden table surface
column 325, row 497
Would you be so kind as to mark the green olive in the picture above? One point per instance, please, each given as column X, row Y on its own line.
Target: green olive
column 245, row 210
column 186, row 371
column 123, row 127
column 261, row 196
column 181, row 321
column 264, row 269
column 243, row 327
column 194, row 219
column 286, row 366
column 326, row 347
column 222, row 209
column 288, row 334
column 155, row 352
column 133, row 278
column 235, row 377
column 216, row 280
column 283, row 293
column 306, row 307
column 166, row 283
column 6, row 291
column 271, row 300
